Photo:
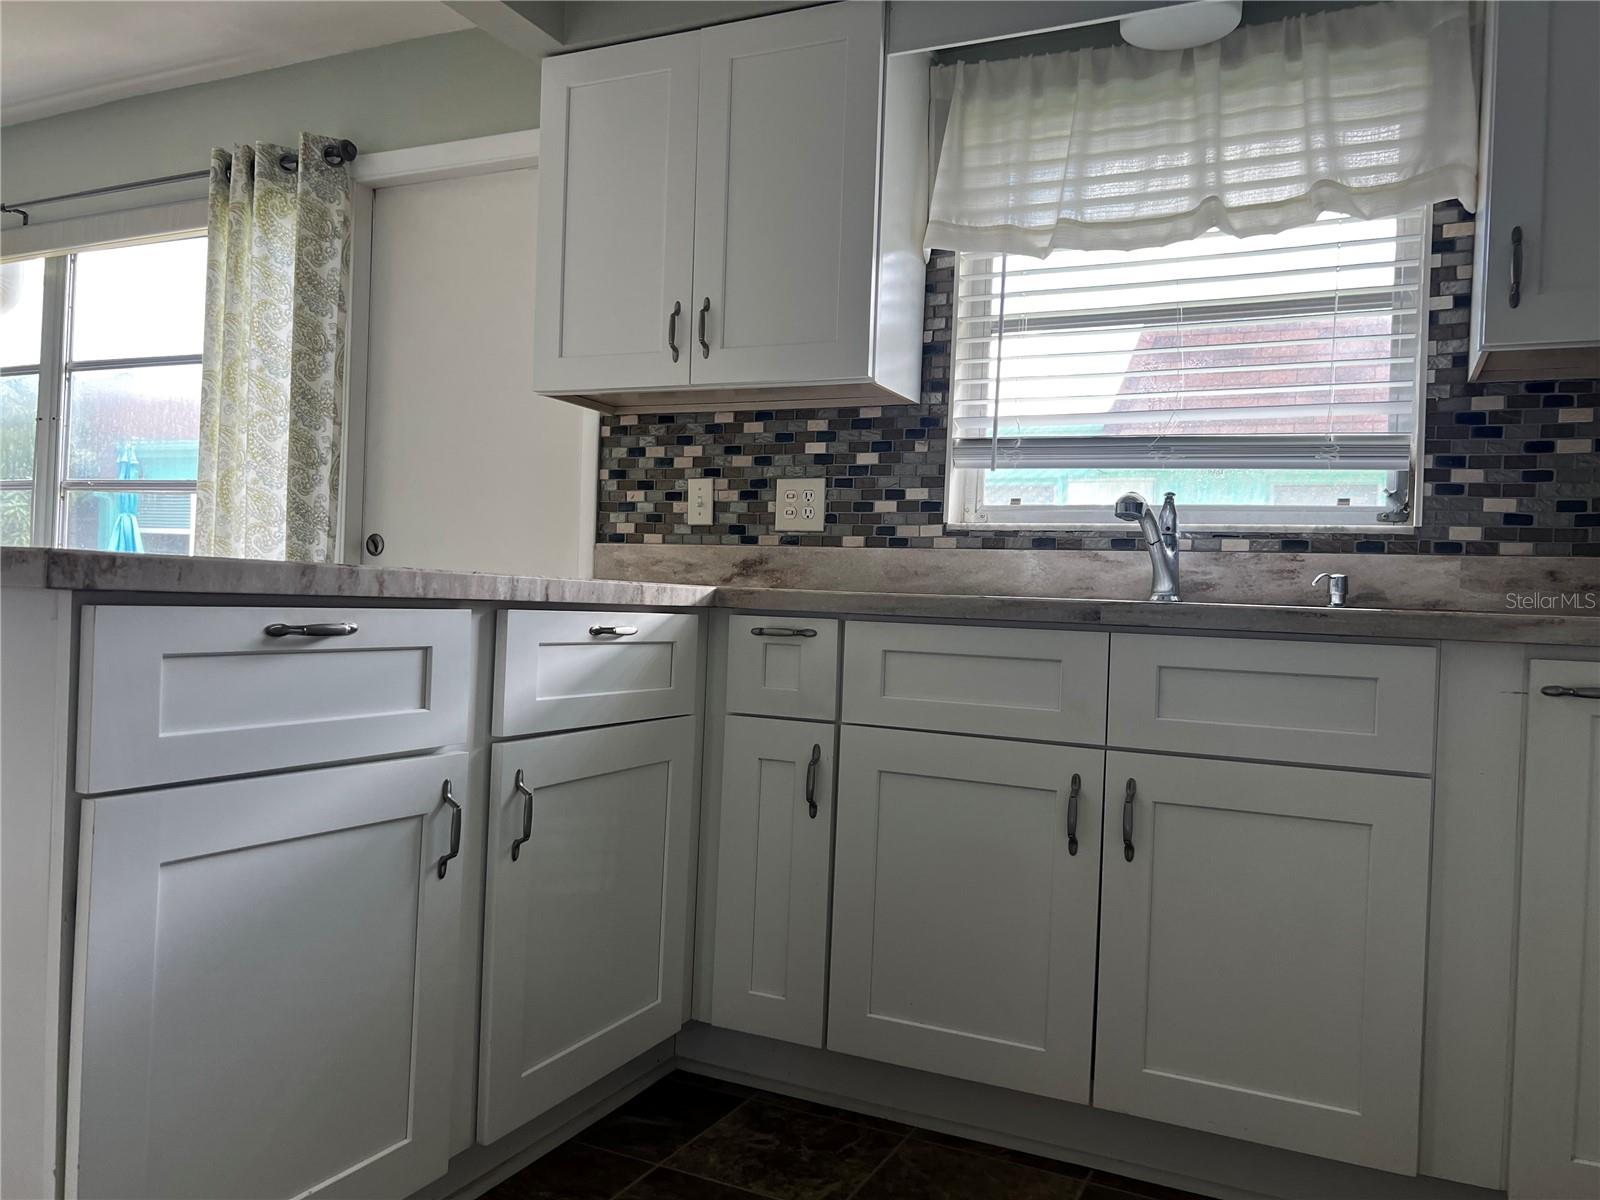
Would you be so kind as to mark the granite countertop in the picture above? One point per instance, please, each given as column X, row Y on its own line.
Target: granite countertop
column 89, row 572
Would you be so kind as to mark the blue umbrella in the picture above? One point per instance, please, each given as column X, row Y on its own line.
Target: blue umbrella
column 125, row 536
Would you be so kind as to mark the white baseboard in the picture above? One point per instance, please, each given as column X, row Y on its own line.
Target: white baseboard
column 1183, row 1158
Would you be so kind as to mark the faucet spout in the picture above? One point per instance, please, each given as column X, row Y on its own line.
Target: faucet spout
column 1161, row 540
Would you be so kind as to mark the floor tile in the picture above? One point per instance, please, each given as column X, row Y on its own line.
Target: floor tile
column 570, row 1172
column 659, row 1120
column 663, row 1183
column 1103, row 1185
column 1054, row 1166
column 786, row 1153
column 922, row 1171
column 838, row 1114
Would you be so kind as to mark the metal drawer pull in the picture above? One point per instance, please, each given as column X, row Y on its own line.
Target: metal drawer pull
column 320, row 629
column 1516, row 267
column 705, row 346
column 672, row 328
column 1581, row 693
column 782, row 631
column 1127, row 820
column 811, row 779
column 455, row 828
column 1072, row 813
column 612, row 631
column 527, row 816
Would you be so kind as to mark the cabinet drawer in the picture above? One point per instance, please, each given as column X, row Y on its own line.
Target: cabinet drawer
column 168, row 694
column 1311, row 702
column 573, row 670
column 780, row 667
column 1044, row 684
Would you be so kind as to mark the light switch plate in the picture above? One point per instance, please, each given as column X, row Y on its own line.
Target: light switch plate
column 800, row 505
column 700, row 501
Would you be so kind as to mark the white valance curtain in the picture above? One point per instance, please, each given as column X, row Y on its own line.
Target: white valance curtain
column 272, row 378
column 1368, row 111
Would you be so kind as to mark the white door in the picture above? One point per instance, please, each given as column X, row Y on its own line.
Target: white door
column 1543, row 171
column 1555, row 1105
column 616, row 216
column 585, row 928
column 772, row 879
column 965, row 889
column 263, row 977
column 467, row 468
column 786, row 196
column 1262, row 953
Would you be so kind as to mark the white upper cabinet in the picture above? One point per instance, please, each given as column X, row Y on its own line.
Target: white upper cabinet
column 788, row 147
column 1555, row 1105
column 1536, row 311
column 788, row 158
column 616, row 216
column 264, row 973
column 1262, row 953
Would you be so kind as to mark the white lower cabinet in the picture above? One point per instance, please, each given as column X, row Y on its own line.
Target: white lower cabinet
column 586, row 915
column 772, row 879
column 965, row 890
column 263, row 978
column 1262, row 953
column 1555, row 1103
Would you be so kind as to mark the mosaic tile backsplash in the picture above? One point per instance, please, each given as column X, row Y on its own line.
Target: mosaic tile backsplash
column 1508, row 468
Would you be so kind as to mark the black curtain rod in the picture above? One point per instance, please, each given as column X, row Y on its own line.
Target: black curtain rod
column 336, row 154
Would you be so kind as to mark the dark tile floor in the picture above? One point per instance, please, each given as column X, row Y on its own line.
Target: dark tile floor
column 688, row 1137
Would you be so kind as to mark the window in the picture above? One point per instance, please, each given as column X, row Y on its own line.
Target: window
column 1270, row 381
column 102, row 349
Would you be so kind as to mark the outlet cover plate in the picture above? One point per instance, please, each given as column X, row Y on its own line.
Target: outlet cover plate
column 800, row 505
column 701, row 501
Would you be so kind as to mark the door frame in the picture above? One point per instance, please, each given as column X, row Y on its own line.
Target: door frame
column 515, row 151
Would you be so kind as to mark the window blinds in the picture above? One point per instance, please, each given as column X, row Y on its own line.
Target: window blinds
column 1291, row 350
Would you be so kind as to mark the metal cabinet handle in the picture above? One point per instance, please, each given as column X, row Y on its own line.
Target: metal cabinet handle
column 782, row 631
column 455, row 828
column 811, row 779
column 317, row 629
column 672, row 328
column 612, row 631
column 1581, row 693
column 705, row 346
column 1072, row 813
column 1127, row 820
column 1516, row 266
column 527, row 816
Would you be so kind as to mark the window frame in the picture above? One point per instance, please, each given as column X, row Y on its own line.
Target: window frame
column 52, row 484
column 965, row 511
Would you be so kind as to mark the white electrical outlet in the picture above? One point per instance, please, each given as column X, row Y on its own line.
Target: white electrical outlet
column 800, row 505
column 700, row 501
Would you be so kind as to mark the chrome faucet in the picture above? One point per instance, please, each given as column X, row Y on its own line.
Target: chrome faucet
column 1161, row 539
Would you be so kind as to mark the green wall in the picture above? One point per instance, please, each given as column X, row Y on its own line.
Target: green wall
column 435, row 89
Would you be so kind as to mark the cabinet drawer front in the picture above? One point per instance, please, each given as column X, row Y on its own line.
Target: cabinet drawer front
column 1044, row 684
column 1263, row 953
column 1311, row 702
column 772, row 879
column 964, row 910
column 568, row 670
column 274, row 954
column 783, row 667
column 168, row 694
column 585, row 930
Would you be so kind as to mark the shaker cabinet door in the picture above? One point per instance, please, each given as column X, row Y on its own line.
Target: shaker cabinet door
column 264, row 975
column 965, row 887
column 616, row 216
column 585, row 926
column 1262, row 953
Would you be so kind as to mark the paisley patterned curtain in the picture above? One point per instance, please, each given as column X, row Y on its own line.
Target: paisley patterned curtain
column 272, row 380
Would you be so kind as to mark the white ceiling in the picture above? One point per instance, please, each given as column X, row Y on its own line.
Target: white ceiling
column 57, row 56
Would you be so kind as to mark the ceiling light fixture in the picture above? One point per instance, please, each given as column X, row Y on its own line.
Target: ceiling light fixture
column 1182, row 26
